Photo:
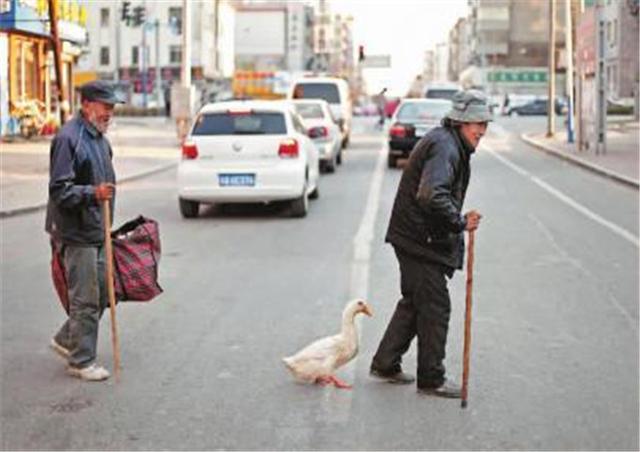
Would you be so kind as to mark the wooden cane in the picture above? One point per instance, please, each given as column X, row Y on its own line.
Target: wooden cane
column 467, row 322
column 106, row 215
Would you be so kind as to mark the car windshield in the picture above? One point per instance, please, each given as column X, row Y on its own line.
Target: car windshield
column 309, row 111
column 422, row 111
column 326, row 91
column 253, row 123
column 440, row 93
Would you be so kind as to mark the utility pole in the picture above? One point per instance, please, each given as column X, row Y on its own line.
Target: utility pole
column 117, row 19
column 601, row 82
column 182, row 96
column 552, row 70
column 158, row 66
column 143, row 62
column 569, row 51
column 57, row 57
column 185, row 74
column 579, row 91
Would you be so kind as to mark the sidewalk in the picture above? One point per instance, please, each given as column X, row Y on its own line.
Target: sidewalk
column 620, row 162
column 141, row 147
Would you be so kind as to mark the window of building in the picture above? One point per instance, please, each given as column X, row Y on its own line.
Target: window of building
column 135, row 55
column 614, row 33
column 104, row 56
column 104, row 17
column 175, row 54
column 175, row 19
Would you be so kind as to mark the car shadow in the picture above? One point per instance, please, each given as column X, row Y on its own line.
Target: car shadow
column 274, row 210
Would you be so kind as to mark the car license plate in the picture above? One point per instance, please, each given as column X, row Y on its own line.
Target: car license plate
column 236, row 180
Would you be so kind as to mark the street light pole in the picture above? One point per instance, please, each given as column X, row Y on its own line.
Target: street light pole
column 158, row 66
column 552, row 70
column 569, row 51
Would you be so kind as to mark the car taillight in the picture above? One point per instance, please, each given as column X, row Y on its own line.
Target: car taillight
column 288, row 149
column 317, row 132
column 398, row 131
column 189, row 150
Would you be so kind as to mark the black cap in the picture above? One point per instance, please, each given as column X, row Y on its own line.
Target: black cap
column 101, row 91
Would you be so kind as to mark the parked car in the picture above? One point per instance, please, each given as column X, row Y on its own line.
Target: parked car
column 513, row 101
column 332, row 89
column 411, row 121
column 248, row 151
column 323, row 131
column 538, row 107
column 441, row 90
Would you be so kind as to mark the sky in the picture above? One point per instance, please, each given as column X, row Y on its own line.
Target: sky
column 403, row 29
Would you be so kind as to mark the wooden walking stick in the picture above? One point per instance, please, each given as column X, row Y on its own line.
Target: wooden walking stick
column 467, row 322
column 106, row 215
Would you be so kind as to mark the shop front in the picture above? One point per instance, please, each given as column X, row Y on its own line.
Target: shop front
column 28, row 88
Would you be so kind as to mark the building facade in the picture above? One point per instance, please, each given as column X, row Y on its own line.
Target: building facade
column 131, row 40
column 508, row 46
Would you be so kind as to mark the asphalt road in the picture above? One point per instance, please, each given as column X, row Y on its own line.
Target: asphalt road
column 554, row 360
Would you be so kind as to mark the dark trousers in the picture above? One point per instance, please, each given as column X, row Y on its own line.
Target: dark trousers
column 423, row 310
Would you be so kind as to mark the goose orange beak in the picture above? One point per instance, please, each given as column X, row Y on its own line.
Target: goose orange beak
column 367, row 310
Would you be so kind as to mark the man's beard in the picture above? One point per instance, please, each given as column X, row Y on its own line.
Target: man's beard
column 101, row 125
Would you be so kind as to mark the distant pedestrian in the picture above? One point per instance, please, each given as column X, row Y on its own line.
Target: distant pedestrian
column 426, row 231
column 81, row 177
column 167, row 99
column 381, row 104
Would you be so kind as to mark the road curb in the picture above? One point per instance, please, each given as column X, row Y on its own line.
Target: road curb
column 581, row 162
column 124, row 180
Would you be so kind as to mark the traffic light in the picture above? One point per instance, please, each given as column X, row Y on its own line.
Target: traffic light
column 126, row 12
column 360, row 53
column 138, row 15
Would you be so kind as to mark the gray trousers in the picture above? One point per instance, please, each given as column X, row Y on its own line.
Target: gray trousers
column 85, row 273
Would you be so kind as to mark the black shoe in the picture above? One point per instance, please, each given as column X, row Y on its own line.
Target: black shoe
column 398, row 378
column 448, row 389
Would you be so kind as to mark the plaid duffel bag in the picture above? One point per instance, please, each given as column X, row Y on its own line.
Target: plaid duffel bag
column 136, row 254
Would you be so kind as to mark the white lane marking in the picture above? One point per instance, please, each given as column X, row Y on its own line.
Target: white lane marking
column 336, row 407
column 621, row 232
column 359, row 283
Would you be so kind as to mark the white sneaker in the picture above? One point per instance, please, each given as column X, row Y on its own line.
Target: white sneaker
column 89, row 373
column 59, row 349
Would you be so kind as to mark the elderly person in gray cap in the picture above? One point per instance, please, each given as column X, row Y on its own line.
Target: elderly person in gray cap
column 81, row 177
column 426, row 231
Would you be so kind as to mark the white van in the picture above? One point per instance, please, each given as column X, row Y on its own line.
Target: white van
column 332, row 89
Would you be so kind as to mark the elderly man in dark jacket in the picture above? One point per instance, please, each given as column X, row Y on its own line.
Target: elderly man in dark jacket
column 81, row 178
column 426, row 231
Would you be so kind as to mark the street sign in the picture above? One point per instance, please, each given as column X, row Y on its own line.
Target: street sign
column 376, row 61
column 518, row 76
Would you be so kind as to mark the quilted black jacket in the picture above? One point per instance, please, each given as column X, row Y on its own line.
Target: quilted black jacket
column 426, row 219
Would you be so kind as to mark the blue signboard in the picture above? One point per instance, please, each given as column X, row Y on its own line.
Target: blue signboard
column 18, row 16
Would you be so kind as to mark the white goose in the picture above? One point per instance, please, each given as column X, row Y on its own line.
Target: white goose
column 317, row 362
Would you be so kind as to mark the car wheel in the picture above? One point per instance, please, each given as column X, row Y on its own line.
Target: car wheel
column 330, row 167
column 300, row 206
column 189, row 209
column 391, row 161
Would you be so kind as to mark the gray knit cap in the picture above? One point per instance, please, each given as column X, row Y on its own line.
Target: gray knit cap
column 470, row 106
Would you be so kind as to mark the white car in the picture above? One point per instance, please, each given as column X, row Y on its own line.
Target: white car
column 323, row 131
column 332, row 89
column 248, row 151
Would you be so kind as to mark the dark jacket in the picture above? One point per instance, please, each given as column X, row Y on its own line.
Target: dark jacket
column 426, row 220
column 79, row 159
